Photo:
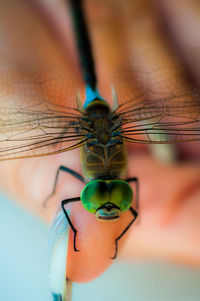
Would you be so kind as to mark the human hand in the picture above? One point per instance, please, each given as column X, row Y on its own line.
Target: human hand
column 168, row 227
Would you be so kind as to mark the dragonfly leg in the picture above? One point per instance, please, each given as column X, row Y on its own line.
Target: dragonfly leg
column 135, row 179
column 134, row 213
column 63, row 203
column 65, row 169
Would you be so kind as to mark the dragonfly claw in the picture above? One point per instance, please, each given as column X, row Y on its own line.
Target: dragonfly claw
column 116, row 251
column 75, row 249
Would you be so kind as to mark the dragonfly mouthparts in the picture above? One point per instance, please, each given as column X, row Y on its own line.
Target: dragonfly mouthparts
column 108, row 212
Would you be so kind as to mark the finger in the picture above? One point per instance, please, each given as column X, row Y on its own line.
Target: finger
column 156, row 53
column 96, row 242
column 144, row 33
column 187, row 42
column 185, row 34
column 169, row 213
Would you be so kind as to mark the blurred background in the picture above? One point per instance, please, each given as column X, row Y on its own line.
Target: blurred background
column 138, row 38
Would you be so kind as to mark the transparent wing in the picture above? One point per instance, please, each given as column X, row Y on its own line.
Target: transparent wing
column 166, row 120
column 162, row 107
column 37, row 113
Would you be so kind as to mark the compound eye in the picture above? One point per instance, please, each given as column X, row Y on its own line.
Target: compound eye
column 94, row 195
column 121, row 194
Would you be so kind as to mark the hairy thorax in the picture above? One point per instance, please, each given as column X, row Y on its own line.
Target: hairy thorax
column 104, row 153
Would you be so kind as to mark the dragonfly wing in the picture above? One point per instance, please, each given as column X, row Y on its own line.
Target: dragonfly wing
column 26, row 84
column 158, row 102
column 163, row 120
column 31, row 133
column 37, row 113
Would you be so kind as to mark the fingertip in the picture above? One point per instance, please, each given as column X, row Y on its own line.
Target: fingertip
column 96, row 242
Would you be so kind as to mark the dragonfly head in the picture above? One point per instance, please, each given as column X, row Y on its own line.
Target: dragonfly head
column 107, row 199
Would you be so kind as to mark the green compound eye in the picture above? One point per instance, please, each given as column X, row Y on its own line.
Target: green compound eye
column 107, row 199
column 94, row 195
column 121, row 194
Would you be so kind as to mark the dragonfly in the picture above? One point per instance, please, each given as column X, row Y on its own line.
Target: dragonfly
column 32, row 125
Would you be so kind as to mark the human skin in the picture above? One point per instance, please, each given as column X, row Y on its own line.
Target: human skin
column 169, row 218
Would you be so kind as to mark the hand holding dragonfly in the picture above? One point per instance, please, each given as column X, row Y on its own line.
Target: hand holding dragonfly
column 168, row 195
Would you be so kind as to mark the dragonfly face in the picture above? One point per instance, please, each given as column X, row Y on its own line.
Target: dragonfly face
column 107, row 199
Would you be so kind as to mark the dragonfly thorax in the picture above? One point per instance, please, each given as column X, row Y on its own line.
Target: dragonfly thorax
column 104, row 153
column 102, row 129
column 99, row 117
